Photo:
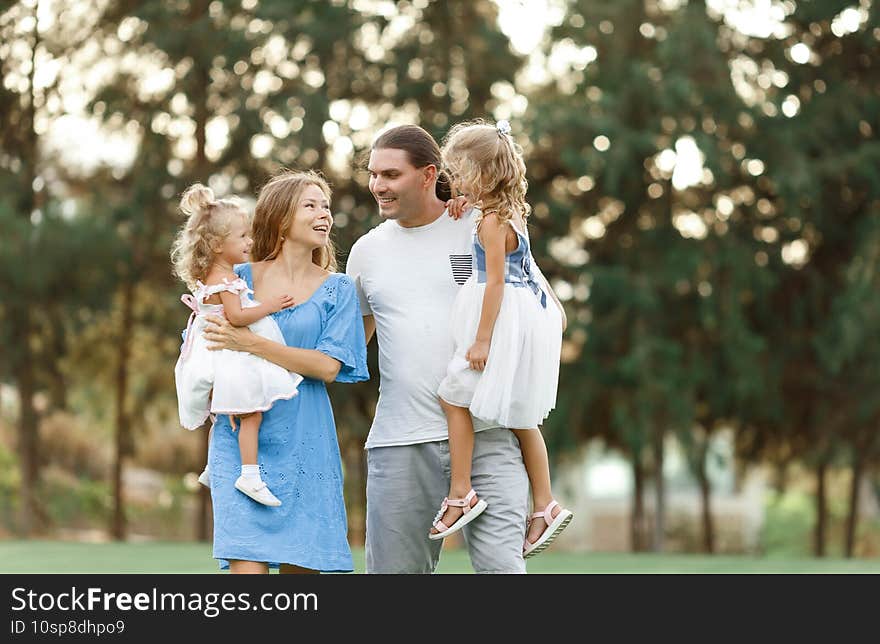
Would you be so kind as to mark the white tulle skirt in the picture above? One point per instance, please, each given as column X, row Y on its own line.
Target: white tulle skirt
column 241, row 382
column 517, row 389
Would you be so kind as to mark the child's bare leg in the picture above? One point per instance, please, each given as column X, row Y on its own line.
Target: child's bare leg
column 534, row 452
column 249, row 437
column 250, row 482
column 461, row 452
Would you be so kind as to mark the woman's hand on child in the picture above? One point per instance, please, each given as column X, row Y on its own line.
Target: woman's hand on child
column 478, row 354
column 220, row 334
column 281, row 302
column 457, row 206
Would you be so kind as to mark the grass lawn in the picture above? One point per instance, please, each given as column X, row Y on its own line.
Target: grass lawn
column 187, row 557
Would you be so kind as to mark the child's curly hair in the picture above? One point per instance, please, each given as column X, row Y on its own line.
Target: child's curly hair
column 208, row 223
column 485, row 163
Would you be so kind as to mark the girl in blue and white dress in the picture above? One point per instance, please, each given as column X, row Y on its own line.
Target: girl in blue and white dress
column 507, row 332
column 216, row 237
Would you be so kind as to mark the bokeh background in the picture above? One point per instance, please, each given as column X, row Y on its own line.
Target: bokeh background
column 705, row 179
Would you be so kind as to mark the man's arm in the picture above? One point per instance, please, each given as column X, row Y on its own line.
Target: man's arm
column 369, row 327
column 353, row 270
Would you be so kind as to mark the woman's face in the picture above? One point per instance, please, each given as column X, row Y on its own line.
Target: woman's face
column 312, row 220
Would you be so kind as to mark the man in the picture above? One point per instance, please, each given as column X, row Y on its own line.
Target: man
column 408, row 270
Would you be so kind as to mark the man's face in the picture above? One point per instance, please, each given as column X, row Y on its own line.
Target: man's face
column 396, row 184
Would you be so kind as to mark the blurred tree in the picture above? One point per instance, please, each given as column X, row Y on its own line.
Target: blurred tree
column 656, row 268
column 48, row 266
column 20, row 156
column 824, row 186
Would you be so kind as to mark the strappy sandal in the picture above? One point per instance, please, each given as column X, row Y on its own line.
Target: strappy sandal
column 470, row 513
column 555, row 525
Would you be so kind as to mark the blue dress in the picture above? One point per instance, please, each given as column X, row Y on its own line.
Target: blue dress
column 298, row 451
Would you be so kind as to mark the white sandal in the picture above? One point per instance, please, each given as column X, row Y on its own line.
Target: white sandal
column 554, row 527
column 470, row 513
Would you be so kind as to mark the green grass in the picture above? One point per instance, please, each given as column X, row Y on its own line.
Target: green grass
column 187, row 557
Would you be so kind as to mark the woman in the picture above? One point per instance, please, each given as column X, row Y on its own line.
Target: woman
column 324, row 342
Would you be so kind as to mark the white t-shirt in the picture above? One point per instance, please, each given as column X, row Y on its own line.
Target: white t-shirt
column 407, row 279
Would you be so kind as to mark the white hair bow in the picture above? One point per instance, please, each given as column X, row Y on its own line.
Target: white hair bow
column 503, row 127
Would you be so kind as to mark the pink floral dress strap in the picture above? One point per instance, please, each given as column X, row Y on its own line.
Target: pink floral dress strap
column 236, row 286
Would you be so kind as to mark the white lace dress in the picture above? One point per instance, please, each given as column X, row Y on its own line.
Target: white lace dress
column 225, row 381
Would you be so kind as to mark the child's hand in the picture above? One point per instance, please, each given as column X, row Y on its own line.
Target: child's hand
column 478, row 354
column 457, row 206
column 280, row 302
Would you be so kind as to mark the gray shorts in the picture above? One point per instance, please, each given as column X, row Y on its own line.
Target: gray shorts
column 405, row 485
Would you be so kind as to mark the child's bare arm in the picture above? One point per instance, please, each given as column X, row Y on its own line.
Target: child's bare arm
column 492, row 235
column 457, row 206
column 239, row 316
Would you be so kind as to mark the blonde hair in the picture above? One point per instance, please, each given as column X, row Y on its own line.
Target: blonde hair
column 487, row 165
column 276, row 206
column 208, row 222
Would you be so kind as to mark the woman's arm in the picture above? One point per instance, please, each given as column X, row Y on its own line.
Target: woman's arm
column 306, row 362
column 493, row 235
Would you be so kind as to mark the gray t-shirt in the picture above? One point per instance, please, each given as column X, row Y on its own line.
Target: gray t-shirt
column 407, row 279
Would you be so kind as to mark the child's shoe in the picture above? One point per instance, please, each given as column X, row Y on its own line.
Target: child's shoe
column 469, row 514
column 257, row 490
column 205, row 478
column 555, row 525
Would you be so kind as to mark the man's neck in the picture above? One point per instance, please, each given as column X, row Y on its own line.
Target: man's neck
column 428, row 213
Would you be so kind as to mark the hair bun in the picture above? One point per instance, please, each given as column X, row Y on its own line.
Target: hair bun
column 196, row 199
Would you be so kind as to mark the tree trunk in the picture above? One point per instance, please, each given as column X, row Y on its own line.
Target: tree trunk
column 123, row 428
column 780, row 478
column 852, row 516
column 637, row 518
column 28, row 425
column 22, row 325
column 821, row 509
column 201, row 172
column 705, row 500
column 57, row 383
column 659, row 541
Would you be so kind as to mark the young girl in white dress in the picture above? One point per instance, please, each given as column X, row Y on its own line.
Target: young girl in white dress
column 507, row 330
column 216, row 237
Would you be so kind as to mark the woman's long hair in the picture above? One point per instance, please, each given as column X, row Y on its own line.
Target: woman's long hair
column 276, row 206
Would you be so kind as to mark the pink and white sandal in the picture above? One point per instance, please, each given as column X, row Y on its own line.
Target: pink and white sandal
column 555, row 525
column 470, row 513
